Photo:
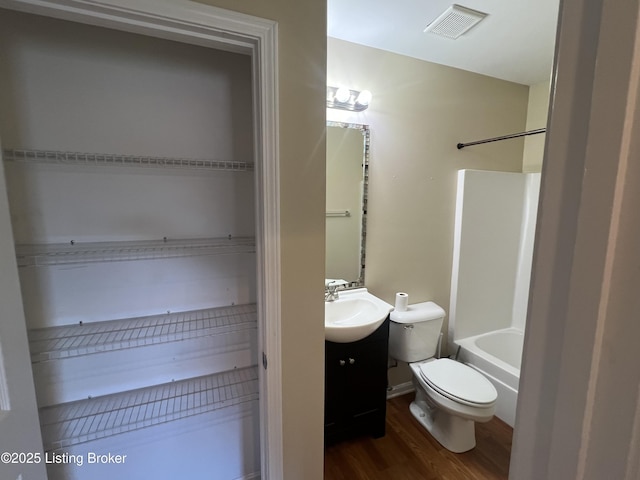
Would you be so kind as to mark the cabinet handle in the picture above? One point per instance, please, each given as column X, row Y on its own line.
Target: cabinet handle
column 352, row 361
column 342, row 363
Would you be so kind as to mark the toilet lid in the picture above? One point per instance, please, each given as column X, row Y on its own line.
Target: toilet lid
column 458, row 381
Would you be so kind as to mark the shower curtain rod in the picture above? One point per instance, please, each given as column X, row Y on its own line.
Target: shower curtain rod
column 504, row 137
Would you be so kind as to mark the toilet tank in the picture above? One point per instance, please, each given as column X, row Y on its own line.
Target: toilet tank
column 414, row 333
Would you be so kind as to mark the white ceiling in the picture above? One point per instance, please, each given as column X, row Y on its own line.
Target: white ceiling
column 514, row 42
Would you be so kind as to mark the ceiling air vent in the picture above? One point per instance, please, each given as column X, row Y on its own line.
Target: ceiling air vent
column 455, row 21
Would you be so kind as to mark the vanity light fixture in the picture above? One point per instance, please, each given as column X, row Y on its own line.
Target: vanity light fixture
column 346, row 99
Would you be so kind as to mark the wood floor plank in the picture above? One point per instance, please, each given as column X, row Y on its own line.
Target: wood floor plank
column 408, row 452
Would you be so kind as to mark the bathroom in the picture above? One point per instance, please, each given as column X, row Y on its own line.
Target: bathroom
column 411, row 224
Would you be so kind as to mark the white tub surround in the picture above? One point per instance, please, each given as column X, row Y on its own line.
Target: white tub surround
column 493, row 249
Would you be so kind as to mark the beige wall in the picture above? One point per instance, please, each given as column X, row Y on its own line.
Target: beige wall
column 302, row 76
column 537, row 112
column 419, row 112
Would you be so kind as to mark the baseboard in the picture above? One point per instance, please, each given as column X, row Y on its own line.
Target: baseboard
column 401, row 389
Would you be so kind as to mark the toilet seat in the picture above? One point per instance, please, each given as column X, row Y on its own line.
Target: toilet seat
column 458, row 382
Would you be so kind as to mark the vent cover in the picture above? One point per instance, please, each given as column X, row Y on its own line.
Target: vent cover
column 455, row 21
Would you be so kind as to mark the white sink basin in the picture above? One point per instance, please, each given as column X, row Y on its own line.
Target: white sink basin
column 355, row 315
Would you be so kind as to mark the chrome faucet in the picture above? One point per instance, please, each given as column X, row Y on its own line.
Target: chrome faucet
column 331, row 292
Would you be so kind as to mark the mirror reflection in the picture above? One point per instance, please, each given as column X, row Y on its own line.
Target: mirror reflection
column 346, row 208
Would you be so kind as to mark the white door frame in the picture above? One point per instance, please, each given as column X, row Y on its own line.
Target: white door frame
column 579, row 397
column 209, row 26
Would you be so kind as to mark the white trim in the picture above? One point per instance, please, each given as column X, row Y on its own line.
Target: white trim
column 199, row 24
column 181, row 20
column 5, row 401
column 268, row 247
column 578, row 396
column 400, row 389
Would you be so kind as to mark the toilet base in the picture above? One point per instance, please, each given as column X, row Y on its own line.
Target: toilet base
column 454, row 433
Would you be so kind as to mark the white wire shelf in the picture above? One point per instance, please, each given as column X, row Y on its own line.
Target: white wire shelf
column 94, row 418
column 57, row 343
column 93, row 252
column 106, row 159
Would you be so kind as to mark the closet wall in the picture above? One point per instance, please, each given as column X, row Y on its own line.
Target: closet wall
column 136, row 257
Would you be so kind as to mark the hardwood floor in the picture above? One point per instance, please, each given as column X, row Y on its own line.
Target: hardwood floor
column 408, row 452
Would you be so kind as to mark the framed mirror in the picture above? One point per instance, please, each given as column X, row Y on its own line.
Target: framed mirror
column 346, row 209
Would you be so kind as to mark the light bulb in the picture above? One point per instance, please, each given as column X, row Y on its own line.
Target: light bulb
column 364, row 98
column 342, row 95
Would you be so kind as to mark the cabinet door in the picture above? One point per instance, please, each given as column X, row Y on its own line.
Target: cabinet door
column 334, row 385
column 367, row 378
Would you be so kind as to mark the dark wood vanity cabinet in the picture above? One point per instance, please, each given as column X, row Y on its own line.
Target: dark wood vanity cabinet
column 356, row 386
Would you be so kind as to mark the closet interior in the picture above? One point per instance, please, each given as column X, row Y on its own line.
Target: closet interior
column 129, row 167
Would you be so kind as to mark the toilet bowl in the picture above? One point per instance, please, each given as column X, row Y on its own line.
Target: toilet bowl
column 450, row 396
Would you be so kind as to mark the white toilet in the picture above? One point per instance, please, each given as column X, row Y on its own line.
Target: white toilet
column 450, row 396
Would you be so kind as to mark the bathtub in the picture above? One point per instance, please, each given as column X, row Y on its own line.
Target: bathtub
column 497, row 355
